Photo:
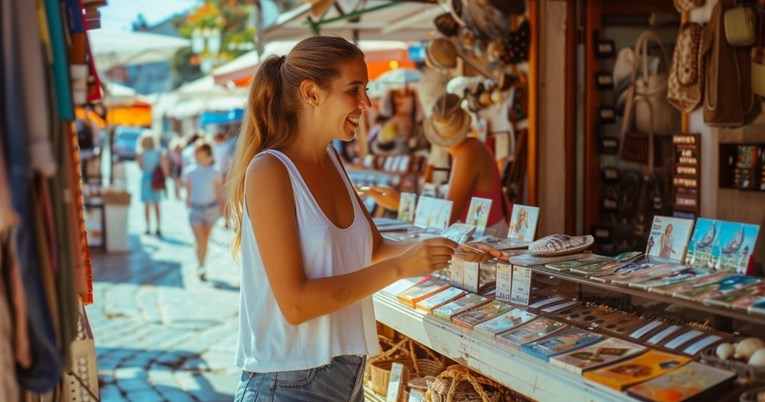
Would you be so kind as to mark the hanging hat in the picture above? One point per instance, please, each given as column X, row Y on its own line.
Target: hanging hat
column 449, row 124
column 440, row 53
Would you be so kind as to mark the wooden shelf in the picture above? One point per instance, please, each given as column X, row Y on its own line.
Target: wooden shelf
column 521, row 372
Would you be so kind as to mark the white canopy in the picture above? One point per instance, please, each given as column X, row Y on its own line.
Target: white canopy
column 112, row 49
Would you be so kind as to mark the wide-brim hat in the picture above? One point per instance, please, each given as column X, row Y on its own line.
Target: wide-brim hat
column 449, row 124
column 440, row 53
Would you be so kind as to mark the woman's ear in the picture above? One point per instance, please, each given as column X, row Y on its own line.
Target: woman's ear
column 310, row 92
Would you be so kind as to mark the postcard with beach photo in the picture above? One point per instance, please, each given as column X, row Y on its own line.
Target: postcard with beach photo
column 669, row 238
column 478, row 214
column 735, row 246
column 442, row 211
column 406, row 207
column 703, row 243
column 523, row 226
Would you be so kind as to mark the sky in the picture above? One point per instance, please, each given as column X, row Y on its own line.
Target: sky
column 118, row 15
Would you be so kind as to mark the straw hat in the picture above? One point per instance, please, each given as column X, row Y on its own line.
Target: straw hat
column 440, row 53
column 449, row 124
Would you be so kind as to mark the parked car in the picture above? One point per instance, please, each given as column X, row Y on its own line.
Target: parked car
column 125, row 142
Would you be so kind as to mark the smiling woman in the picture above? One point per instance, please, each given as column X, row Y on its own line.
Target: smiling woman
column 302, row 231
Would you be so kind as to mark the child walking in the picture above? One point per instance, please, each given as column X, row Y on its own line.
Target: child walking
column 203, row 188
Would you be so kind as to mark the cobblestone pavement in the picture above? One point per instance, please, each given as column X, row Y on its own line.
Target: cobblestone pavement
column 161, row 334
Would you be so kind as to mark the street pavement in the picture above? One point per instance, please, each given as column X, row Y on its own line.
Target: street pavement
column 161, row 334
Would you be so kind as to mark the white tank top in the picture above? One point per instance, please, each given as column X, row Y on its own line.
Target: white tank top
column 267, row 342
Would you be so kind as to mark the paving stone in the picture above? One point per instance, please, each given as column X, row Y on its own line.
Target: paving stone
column 145, row 396
column 111, row 393
column 133, row 385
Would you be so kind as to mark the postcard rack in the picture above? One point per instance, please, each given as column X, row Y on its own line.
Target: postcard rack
column 514, row 369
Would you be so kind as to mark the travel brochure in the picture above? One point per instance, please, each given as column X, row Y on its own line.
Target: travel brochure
column 644, row 367
column 721, row 245
column 596, row 355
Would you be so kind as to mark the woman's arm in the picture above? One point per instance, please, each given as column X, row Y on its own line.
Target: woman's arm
column 271, row 207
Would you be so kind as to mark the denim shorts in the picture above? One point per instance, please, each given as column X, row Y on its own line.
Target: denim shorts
column 206, row 215
column 339, row 381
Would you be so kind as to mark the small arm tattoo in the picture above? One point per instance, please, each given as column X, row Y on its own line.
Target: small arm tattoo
column 341, row 294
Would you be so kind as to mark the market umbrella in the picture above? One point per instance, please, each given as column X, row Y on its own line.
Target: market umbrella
column 114, row 49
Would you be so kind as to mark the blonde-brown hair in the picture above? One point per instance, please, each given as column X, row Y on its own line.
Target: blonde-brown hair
column 273, row 102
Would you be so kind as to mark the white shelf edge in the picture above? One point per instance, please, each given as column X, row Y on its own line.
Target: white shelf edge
column 523, row 373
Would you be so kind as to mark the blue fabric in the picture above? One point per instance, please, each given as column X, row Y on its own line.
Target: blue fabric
column 150, row 159
column 44, row 373
column 60, row 60
column 340, row 380
column 147, row 193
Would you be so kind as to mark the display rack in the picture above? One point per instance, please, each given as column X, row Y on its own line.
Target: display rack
column 686, row 175
column 514, row 369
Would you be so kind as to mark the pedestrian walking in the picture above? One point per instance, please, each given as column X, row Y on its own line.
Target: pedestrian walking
column 311, row 256
column 204, row 184
column 149, row 159
column 176, row 165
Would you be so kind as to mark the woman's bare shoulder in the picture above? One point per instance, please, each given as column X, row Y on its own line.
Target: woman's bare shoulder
column 266, row 171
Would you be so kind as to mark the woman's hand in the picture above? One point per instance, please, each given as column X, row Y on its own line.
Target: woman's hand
column 425, row 257
column 383, row 196
column 479, row 252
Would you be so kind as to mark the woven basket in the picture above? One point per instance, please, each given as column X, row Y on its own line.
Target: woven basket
column 458, row 384
column 386, row 344
column 403, row 353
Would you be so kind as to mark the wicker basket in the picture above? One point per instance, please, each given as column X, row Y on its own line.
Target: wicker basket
column 403, row 353
column 386, row 344
column 458, row 384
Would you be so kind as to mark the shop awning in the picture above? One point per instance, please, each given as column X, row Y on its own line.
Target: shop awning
column 223, row 117
column 381, row 56
column 114, row 49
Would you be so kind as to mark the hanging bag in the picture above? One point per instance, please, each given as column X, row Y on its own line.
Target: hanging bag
column 686, row 76
column 758, row 58
column 635, row 144
column 158, row 179
column 661, row 118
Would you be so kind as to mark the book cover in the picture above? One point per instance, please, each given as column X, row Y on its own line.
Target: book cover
column 406, row 207
column 598, row 354
column 504, row 322
column 562, row 342
column 530, row 332
column 669, row 237
column 725, row 285
column 478, row 214
column 689, row 383
column 523, row 223
column 471, row 318
column 739, row 299
column 439, row 299
column 461, row 305
column 644, row 367
column 423, row 289
column 569, row 264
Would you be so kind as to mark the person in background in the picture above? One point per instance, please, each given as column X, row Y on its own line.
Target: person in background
column 473, row 172
column 401, row 132
column 189, row 149
column 149, row 157
column 311, row 256
column 203, row 197
column 176, row 164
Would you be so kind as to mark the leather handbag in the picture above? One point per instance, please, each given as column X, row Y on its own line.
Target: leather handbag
column 687, row 5
column 728, row 97
column 740, row 26
column 686, row 76
column 758, row 60
column 643, row 147
column 662, row 118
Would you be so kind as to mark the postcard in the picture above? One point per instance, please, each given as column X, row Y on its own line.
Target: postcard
column 423, row 289
column 478, row 214
column 669, row 237
column 714, row 289
column 422, row 215
column 702, row 277
column 521, row 285
column 569, row 264
column 441, row 214
column 531, row 331
column 681, row 273
column 562, row 342
column 739, row 299
column 703, row 240
column 459, row 306
column 439, row 299
column 504, row 285
column 646, row 366
column 406, row 207
column 523, row 223
column 504, row 322
column 598, row 354
column 459, row 232
column 693, row 381
column 735, row 246
column 471, row 318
